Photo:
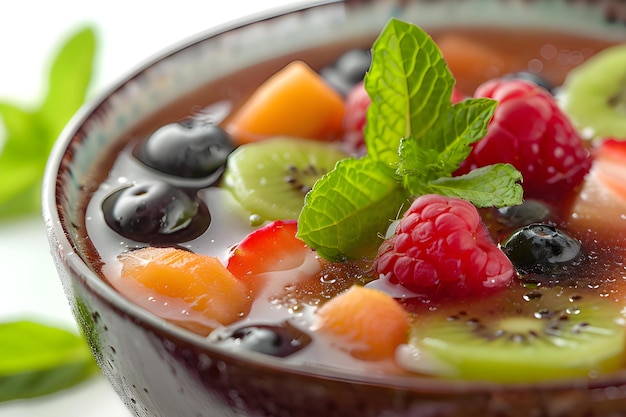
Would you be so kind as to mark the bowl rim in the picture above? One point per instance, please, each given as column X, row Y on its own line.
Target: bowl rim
column 61, row 244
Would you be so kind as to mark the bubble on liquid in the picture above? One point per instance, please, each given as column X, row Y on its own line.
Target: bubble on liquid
column 549, row 51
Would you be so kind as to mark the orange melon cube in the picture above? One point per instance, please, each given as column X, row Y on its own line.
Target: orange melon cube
column 295, row 101
column 368, row 323
column 471, row 62
column 200, row 282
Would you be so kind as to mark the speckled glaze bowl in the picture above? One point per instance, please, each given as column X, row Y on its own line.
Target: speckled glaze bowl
column 161, row 370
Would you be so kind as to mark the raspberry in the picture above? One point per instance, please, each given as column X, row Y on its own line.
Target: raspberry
column 442, row 249
column 457, row 96
column 530, row 132
column 354, row 119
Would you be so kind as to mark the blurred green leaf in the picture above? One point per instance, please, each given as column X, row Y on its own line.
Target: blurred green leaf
column 70, row 76
column 36, row 359
column 31, row 133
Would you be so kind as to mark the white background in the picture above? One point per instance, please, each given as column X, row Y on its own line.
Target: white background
column 129, row 32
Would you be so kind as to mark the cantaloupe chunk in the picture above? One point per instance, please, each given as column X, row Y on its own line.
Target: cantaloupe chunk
column 367, row 323
column 472, row 63
column 198, row 282
column 295, row 101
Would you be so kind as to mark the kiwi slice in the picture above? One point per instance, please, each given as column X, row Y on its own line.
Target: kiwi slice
column 270, row 178
column 524, row 336
column 595, row 94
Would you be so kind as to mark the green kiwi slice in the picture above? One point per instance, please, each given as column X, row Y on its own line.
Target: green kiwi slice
column 595, row 94
column 525, row 336
column 270, row 178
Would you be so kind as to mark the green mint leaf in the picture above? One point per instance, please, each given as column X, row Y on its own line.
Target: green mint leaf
column 24, row 133
column 31, row 133
column 22, row 161
column 347, row 209
column 21, row 195
column 418, row 165
column 442, row 149
column 69, row 79
column 494, row 185
column 36, row 359
column 448, row 143
column 410, row 86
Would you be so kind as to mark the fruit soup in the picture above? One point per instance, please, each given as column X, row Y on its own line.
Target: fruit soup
column 480, row 238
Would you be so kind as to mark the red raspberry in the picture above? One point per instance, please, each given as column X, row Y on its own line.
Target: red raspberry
column 354, row 119
column 442, row 249
column 530, row 132
column 457, row 96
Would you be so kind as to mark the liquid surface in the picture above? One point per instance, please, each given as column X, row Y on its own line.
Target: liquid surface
column 603, row 237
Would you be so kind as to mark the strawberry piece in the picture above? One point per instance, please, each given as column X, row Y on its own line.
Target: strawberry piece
column 598, row 214
column 601, row 204
column 530, row 132
column 610, row 164
column 441, row 249
column 273, row 247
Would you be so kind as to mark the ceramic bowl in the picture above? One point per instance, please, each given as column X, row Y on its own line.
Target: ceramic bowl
column 161, row 370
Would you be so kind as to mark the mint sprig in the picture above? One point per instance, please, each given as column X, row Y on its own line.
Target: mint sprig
column 30, row 133
column 410, row 86
column 416, row 139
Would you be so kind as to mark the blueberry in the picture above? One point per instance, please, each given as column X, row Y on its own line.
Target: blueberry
column 189, row 150
column 533, row 78
column 530, row 211
column 275, row 340
column 542, row 249
column 348, row 70
column 155, row 212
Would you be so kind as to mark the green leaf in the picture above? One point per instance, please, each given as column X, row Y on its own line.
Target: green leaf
column 410, row 86
column 37, row 360
column 22, row 161
column 494, row 185
column 70, row 75
column 442, row 149
column 346, row 210
column 30, row 134
column 21, row 188
column 465, row 123
column 25, row 134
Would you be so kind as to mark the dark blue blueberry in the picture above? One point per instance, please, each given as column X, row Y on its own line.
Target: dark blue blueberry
column 530, row 211
column 190, row 150
column 348, row 70
column 542, row 249
column 155, row 212
column 275, row 340
column 533, row 78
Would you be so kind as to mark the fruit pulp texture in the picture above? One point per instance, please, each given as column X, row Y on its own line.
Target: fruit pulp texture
column 603, row 236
